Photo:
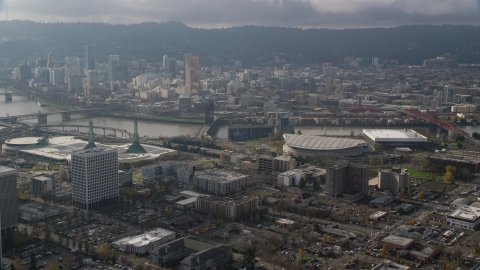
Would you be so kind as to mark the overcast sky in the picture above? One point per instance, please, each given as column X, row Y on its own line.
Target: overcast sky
column 222, row 13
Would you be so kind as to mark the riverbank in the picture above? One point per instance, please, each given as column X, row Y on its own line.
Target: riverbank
column 151, row 118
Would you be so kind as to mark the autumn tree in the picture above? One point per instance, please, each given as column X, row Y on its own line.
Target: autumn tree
column 18, row 238
column 52, row 264
column 448, row 178
column 17, row 263
column 105, row 251
column 384, row 249
column 421, row 194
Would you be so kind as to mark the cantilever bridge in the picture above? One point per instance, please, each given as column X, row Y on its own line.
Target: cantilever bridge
column 431, row 118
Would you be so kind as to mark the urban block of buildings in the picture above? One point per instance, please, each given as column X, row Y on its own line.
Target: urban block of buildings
column 309, row 173
column 268, row 164
column 192, row 254
column 145, row 242
column 466, row 217
column 41, row 184
column 393, row 179
column 219, row 182
column 347, row 181
column 228, row 208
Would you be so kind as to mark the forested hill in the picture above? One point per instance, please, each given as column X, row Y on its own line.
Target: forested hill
column 254, row 45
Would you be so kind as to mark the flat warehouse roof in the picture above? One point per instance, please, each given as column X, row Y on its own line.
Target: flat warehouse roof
column 394, row 135
column 466, row 213
column 397, row 240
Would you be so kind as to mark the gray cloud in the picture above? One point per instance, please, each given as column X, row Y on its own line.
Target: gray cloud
column 221, row 13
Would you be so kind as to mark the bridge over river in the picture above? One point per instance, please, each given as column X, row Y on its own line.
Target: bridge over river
column 42, row 117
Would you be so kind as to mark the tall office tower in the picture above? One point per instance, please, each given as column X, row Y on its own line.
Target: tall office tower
column 92, row 78
column 89, row 57
column 51, row 60
column 172, row 67
column 348, row 182
column 375, row 61
column 24, row 72
column 192, row 80
column 57, row 76
column 112, row 68
column 75, row 84
column 81, row 65
column 94, row 178
column 8, row 200
column 71, row 70
column 165, row 61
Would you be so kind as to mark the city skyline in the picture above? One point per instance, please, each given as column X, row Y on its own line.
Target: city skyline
column 287, row 13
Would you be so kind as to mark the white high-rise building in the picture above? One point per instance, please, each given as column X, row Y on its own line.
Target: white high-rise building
column 94, row 177
column 375, row 61
column 449, row 93
column 165, row 61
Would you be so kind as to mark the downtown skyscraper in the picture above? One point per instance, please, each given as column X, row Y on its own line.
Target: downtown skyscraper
column 89, row 57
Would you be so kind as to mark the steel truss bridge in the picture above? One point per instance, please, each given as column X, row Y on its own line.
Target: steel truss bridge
column 431, row 118
column 42, row 117
column 63, row 126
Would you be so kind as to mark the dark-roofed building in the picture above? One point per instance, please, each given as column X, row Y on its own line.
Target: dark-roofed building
column 394, row 241
column 192, row 254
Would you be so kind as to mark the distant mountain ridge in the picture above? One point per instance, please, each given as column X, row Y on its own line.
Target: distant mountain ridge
column 254, row 45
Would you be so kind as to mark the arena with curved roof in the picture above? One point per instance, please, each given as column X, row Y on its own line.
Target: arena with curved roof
column 313, row 146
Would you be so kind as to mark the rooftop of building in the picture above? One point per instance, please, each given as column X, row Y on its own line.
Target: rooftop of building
column 389, row 265
column 24, row 141
column 219, row 175
column 462, row 201
column 475, row 204
column 229, row 201
column 321, row 142
column 145, row 238
column 457, row 156
column 382, row 199
column 283, row 158
column 187, row 201
column 385, row 135
column 6, row 170
column 33, row 211
column 42, row 178
column 60, row 148
column 192, row 193
column 465, row 212
column 397, row 240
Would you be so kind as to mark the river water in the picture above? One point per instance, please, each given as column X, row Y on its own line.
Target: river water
column 21, row 105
